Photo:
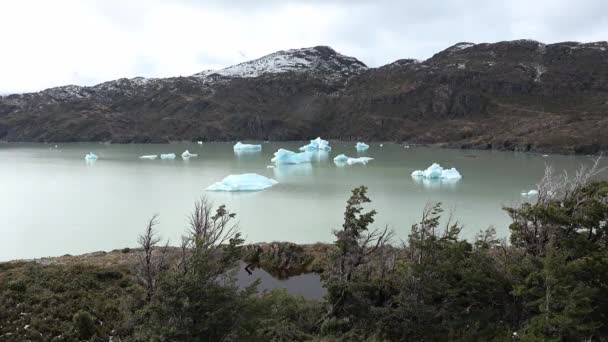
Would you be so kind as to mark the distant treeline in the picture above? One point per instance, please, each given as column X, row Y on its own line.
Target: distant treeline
column 549, row 283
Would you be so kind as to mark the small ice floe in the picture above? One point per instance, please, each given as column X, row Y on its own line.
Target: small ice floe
column 530, row 193
column 188, row 155
column 243, row 182
column 381, row 145
column 90, row 156
column 240, row 147
column 360, row 160
column 270, row 166
column 435, row 171
column 316, row 145
column 345, row 160
column 283, row 156
column 167, row 156
column 149, row 157
column 199, row 142
column 406, row 146
column 545, row 155
column 361, row 146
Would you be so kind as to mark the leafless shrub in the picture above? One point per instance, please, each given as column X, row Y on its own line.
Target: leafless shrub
column 152, row 260
column 208, row 232
column 561, row 186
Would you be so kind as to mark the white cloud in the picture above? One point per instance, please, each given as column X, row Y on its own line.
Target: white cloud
column 51, row 43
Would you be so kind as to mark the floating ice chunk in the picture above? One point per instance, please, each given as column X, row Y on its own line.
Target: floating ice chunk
column 545, row 155
column 150, row 156
column 240, row 147
column 381, row 145
column 90, row 156
column 342, row 159
column 243, row 182
column 406, row 146
column 187, row 155
column 361, row 146
column 450, row 174
column 167, row 156
column 270, row 166
column 283, row 156
column 530, row 193
column 316, row 145
column 199, row 142
column 435, row 171
column 360, row 160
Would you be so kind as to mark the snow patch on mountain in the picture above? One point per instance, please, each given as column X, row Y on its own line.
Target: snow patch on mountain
column 462, row 46
column 67, row 92
column 321, row 59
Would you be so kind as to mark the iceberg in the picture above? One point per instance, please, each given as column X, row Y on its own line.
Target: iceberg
column 435, row 171
column 316, row 145
column 361, row 146
column 343, row 159
column 150, row 156
column 187, row 155
column 243, row 182
column 167, row 156
column 360, row 160
column 530, row 193
column 283, row 156
column 240, row 147
column 199, row 142
column 90, row 156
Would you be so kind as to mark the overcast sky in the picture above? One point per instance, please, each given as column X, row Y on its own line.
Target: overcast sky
column 50, row 43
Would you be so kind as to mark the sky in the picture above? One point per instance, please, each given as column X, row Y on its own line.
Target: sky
column 86, row 42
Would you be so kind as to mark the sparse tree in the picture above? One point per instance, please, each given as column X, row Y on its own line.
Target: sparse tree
column 152, row 260
column 201, row 300
column 356, row 244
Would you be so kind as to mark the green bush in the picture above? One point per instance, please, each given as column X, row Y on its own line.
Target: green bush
column 84, row 324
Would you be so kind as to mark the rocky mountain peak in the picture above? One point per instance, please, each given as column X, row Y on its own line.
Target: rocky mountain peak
column 319, row 60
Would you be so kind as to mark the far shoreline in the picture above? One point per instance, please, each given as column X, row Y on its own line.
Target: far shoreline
column 441, row 145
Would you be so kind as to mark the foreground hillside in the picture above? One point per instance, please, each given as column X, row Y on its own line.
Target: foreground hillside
column 549, row 284
column 515, row 95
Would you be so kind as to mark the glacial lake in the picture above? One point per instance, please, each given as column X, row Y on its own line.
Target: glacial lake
column 53, row 202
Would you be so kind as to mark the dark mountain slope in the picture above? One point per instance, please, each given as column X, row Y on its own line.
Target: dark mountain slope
column 521, row 95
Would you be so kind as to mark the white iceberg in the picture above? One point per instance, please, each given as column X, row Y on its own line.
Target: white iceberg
column 361, row 146
column 316, row 145
column 270, row 166
column 167, row 156
column 199, row 142
column 90, row 156
column 240, row 147
column 381, row 145
column 435, row 171
column 343, row 159
column 187, row 155
column 360, row 160
column 530, row 193
column 149, row 156
column 283, row 156
column 243, row 182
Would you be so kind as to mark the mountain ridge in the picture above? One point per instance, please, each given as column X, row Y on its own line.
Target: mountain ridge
column 512, row 95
